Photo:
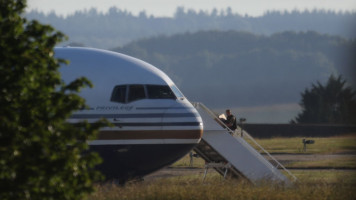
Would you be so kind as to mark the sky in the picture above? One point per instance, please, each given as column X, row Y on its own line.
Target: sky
column 167, row 8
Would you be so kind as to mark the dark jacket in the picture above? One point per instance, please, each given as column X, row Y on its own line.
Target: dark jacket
column 231, row 120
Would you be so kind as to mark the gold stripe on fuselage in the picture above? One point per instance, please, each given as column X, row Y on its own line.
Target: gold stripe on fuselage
column 150, row 134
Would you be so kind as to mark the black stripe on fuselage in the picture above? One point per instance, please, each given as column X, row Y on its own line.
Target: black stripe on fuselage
column 159, row 124
column 160, row 108
column 145, row 115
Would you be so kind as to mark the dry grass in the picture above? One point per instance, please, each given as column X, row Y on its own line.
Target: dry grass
column 326, row 176
column 214, row 188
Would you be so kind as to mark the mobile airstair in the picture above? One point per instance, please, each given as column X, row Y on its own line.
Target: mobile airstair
column 230, row 155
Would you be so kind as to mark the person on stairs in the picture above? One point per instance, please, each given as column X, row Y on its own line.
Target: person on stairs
column 230, row 120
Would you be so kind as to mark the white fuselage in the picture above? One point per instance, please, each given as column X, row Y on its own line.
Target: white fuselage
column 147, row 110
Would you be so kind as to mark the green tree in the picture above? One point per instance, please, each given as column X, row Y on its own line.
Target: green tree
column 334, row 103
column 41, row 156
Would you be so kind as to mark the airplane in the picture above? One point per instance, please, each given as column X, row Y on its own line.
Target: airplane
column 154, row 123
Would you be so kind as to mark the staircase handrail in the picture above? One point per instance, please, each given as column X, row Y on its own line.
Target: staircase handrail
column 270, row 156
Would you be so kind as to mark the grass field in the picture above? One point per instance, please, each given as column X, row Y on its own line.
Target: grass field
column 311, row 184
column 348, row 162
column 327, row 145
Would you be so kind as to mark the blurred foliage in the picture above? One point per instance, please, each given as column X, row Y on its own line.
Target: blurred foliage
column 333, row 103
column 41, row 155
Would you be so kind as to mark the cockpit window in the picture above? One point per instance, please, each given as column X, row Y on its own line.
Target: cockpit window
column 119, row 94
column 159, row 92
column 136, row 92
column 129, row 93
column 177, row 92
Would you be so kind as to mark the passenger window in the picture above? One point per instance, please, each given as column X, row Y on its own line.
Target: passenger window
column 136, row 92
column 160, row 92
column 119, row 94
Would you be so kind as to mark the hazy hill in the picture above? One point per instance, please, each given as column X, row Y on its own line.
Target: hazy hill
column 245, row 62
column 242, row 69
column 117, row 27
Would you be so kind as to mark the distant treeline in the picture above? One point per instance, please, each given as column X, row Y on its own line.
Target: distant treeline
column 117, row 27
column 230, row 68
